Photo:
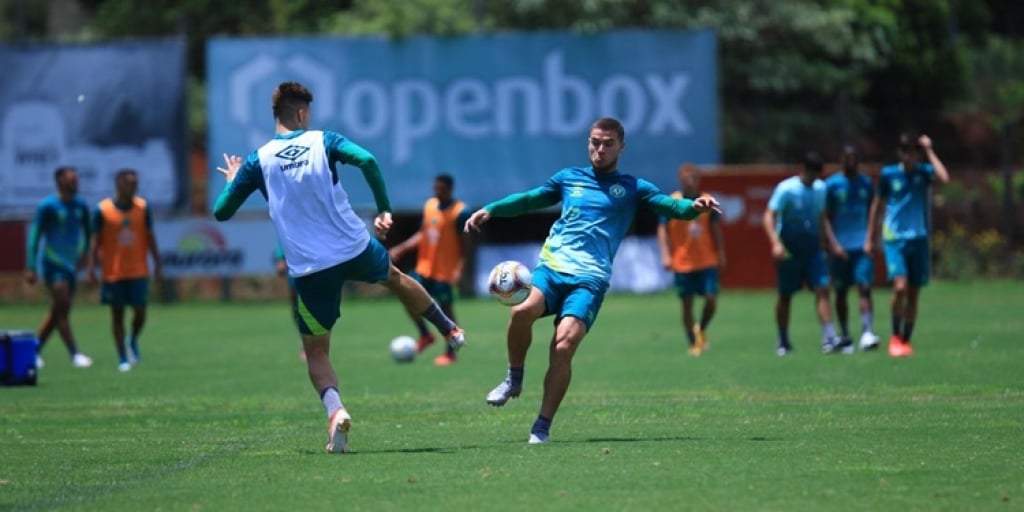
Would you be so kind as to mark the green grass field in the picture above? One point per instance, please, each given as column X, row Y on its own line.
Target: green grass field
column 220, row 415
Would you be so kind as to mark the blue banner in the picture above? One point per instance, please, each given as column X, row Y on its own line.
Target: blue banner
column 99, row 108
column 500, row 113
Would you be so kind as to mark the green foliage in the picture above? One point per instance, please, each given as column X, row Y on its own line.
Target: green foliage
column 404, row 18
column 996, row 80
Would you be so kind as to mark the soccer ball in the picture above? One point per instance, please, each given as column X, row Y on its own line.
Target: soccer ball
column 510, row 282
column 403, row 349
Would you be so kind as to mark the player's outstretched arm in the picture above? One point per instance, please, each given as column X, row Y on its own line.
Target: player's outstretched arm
column 940, row 169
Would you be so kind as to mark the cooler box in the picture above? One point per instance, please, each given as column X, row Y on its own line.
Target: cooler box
column 18, row 358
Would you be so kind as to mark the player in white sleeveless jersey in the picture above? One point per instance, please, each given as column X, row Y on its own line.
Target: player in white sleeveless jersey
column 325, row 243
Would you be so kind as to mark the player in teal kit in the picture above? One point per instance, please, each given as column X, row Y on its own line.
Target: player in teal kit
column 598, row 206
column 850, row 193
column 797, row 226
column 62, row 221
column 904, row 202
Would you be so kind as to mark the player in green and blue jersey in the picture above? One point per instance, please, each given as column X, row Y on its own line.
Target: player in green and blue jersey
column 904, row 202
column 61, row 227
column 574, row 269
column 849, row 196
column 797, row 228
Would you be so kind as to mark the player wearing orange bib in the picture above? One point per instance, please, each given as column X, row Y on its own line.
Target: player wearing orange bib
column 695, row 251
column 121, row 241
column 440, row 253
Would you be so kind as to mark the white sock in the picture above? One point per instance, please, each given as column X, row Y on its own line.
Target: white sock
column 331, row 400
column 865, row 321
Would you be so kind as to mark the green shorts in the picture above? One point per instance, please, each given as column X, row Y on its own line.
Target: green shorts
column 442, row 293
column 125, row 292
column 319, row 294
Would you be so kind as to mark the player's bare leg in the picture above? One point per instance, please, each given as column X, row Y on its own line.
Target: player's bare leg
column 519, row 337
column 58, row 318
column 317, row 348
column 843, row 312
column 686, row 312
column 138, row 322
column 900, row 302
column 868, row 339
column 707, row 313
column 568, row 335
column 782, row 303
column 830, row 343
column 117, row 327
column 449, row 355
column 415, row 298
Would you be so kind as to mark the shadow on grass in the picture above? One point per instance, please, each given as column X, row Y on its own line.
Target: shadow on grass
column 589, row 440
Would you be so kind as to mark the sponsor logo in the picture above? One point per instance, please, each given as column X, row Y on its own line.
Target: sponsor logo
column 202, row 248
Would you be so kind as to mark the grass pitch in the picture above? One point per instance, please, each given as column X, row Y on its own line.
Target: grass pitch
column 220, row 415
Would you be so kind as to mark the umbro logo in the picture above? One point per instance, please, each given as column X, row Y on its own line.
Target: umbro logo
column 292, row 152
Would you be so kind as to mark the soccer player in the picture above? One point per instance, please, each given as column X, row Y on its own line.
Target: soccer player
column 325, row 242
column 797, row 224
column 440, row 253
column 848, row 202
column 574, row 269
column 62, row 220
column 121, row 241
column 695, row 251
column 903, row 201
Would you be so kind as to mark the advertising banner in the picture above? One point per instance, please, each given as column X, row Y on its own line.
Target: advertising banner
column 501, row 113
column 204, row 247
column 99, row 108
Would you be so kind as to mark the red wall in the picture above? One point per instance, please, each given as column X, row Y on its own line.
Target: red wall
column 12, row 246
column 744, row 196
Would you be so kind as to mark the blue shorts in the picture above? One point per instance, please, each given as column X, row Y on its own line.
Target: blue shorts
column 443, row 293
column 857, row 269
column 910, row 259
column 699, row 282
column 319, row 294
column 800, row 268
column 566, row 295
column 54, row 273
column 125, row 292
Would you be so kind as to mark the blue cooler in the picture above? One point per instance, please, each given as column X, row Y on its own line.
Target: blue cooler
column 18, row 358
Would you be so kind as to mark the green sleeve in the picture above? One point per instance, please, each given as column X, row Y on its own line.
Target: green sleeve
column 350, row 153
column 523, row 202
column 33, row 237
column 279, row 252
column 665, row 205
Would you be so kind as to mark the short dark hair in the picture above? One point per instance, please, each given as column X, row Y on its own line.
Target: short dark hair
column 124, row 172
column 288, row 98
column 447, row 179
column 907, row 143
column 61, row 171
column 813, row 161
column 610, row 124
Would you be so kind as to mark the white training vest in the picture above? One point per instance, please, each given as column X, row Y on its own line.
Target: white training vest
column 315, row 223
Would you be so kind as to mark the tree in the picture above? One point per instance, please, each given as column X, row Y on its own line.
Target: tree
column 996, row 85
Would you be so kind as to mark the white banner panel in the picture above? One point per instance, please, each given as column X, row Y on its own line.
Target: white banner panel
column 637, row 266
column 205, row 247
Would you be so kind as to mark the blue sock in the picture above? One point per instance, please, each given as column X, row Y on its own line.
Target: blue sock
column 783, row 337
column 122, row 354
column 897, row 325
column 434, row 315
column 421, row 326
column 72, row 348
column 541, row 426
column 515, row 376
column 133, row 342
column 908, row 330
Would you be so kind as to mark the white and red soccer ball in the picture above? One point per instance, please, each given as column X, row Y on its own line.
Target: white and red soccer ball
column 510, row 282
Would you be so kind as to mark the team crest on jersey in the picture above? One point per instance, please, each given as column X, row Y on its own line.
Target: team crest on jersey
column 576, row 191
column 617, row 191
column 841, row 195
column 897, row 185
column 292, row 152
